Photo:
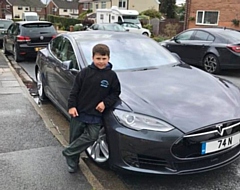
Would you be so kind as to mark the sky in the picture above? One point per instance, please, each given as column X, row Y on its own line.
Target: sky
column 180, row 2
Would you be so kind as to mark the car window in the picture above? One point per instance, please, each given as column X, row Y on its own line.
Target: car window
column 4, row 24
column 125, row 56
column 95, row 27
column 67, row 53
column 204, row 36
column 185, row 35
column 56, row 45
column 113, row 27
column 230, row 35
column 38, row 28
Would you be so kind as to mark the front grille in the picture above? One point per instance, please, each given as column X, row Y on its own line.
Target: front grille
column 145, row 162
column 190, row 145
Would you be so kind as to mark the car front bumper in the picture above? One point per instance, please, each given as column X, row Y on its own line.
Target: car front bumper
column 151, row 152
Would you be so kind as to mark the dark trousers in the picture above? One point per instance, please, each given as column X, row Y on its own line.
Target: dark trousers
column 82, row 135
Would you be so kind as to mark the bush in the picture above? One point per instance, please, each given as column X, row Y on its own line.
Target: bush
column 152, row 13
column 63, row 23
column 171, row 29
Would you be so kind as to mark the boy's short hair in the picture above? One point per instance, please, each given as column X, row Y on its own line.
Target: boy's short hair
column 101, row 49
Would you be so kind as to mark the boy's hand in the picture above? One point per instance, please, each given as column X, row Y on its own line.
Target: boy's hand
column 100, row 107
column 73, row 112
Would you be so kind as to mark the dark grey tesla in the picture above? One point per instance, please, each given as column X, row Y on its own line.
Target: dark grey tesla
column 213, row 49
column 172, row 118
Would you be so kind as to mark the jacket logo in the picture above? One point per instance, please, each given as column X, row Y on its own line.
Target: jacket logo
column 104, row 83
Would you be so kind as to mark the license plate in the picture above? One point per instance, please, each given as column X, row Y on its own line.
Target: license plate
column 220, row 144
column 38, row 48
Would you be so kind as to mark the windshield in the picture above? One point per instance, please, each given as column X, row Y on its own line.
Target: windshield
column 5, row 23
column 230, row 35
column 127, row 56
column 37, row 28
column 32, row 18
column 132, row 19
column 113, row 27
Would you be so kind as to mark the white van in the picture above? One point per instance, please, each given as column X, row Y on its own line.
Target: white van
column 30, row 16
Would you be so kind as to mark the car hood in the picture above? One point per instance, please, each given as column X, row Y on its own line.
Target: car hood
column 184, row 96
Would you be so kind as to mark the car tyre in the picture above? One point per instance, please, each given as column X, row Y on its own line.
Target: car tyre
column 4, row 49
column 40, row 87
column 211, row 64
column 16, row 55
column 99, row 152
column 145, row 34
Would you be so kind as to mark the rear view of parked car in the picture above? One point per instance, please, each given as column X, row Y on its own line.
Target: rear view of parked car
column 26, row 38
column 214, row 49
column 4, row 24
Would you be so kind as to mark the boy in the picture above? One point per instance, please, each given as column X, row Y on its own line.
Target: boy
column 95, row 88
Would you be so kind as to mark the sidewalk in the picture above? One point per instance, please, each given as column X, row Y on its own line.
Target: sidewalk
column 30, row 156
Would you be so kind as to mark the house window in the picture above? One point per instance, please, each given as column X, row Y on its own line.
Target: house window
column 103, row 4
column 19, row 8
column 38, row 9
column 85, row 6
column 207, row 17
column 96, row 6
column 32, row 9
column 7, row 6
column 64, row 10
column 71, row 10
column 26, row 9
column 122, row 4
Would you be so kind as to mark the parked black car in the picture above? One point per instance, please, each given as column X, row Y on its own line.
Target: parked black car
column 26, row 38
column 213, row 49
column 172, row 118
column 4, row 24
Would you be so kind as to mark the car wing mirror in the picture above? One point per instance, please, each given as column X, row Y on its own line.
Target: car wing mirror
column 66, row 65
column 175, row 39
column 127, row 30
column 4, row 32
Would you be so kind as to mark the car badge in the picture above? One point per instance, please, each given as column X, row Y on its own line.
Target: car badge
column 41, row 37
column 220, row 129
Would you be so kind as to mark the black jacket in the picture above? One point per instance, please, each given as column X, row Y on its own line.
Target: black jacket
column 93, row 85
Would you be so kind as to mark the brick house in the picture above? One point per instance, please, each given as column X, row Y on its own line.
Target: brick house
column 66, row 8
column 215, row 13
column 139, row 5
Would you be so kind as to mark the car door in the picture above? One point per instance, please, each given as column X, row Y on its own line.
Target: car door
column 55, row 48
column 181, row 44
column 132, row 28
column 9, row 38
column 65, row 77
column 200, row 43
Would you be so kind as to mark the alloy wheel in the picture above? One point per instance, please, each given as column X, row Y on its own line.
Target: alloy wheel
column 39, row 84
column 211, row 63
column 99, row 152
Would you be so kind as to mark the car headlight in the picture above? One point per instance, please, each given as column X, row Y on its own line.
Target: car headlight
column 141, row 122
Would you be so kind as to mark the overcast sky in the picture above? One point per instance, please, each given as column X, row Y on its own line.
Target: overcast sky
column 180, row 1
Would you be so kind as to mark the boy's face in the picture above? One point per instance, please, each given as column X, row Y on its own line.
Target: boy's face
column 100, row 61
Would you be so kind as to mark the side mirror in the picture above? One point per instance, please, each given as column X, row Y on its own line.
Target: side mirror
column 127, row 30
column 4, row 32
column 66, row 65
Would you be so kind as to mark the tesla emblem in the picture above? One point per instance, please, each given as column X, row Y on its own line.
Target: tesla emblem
column 219, row 129
column 41, row 37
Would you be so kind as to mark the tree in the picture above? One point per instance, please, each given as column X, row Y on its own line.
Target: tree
column 168, row 7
